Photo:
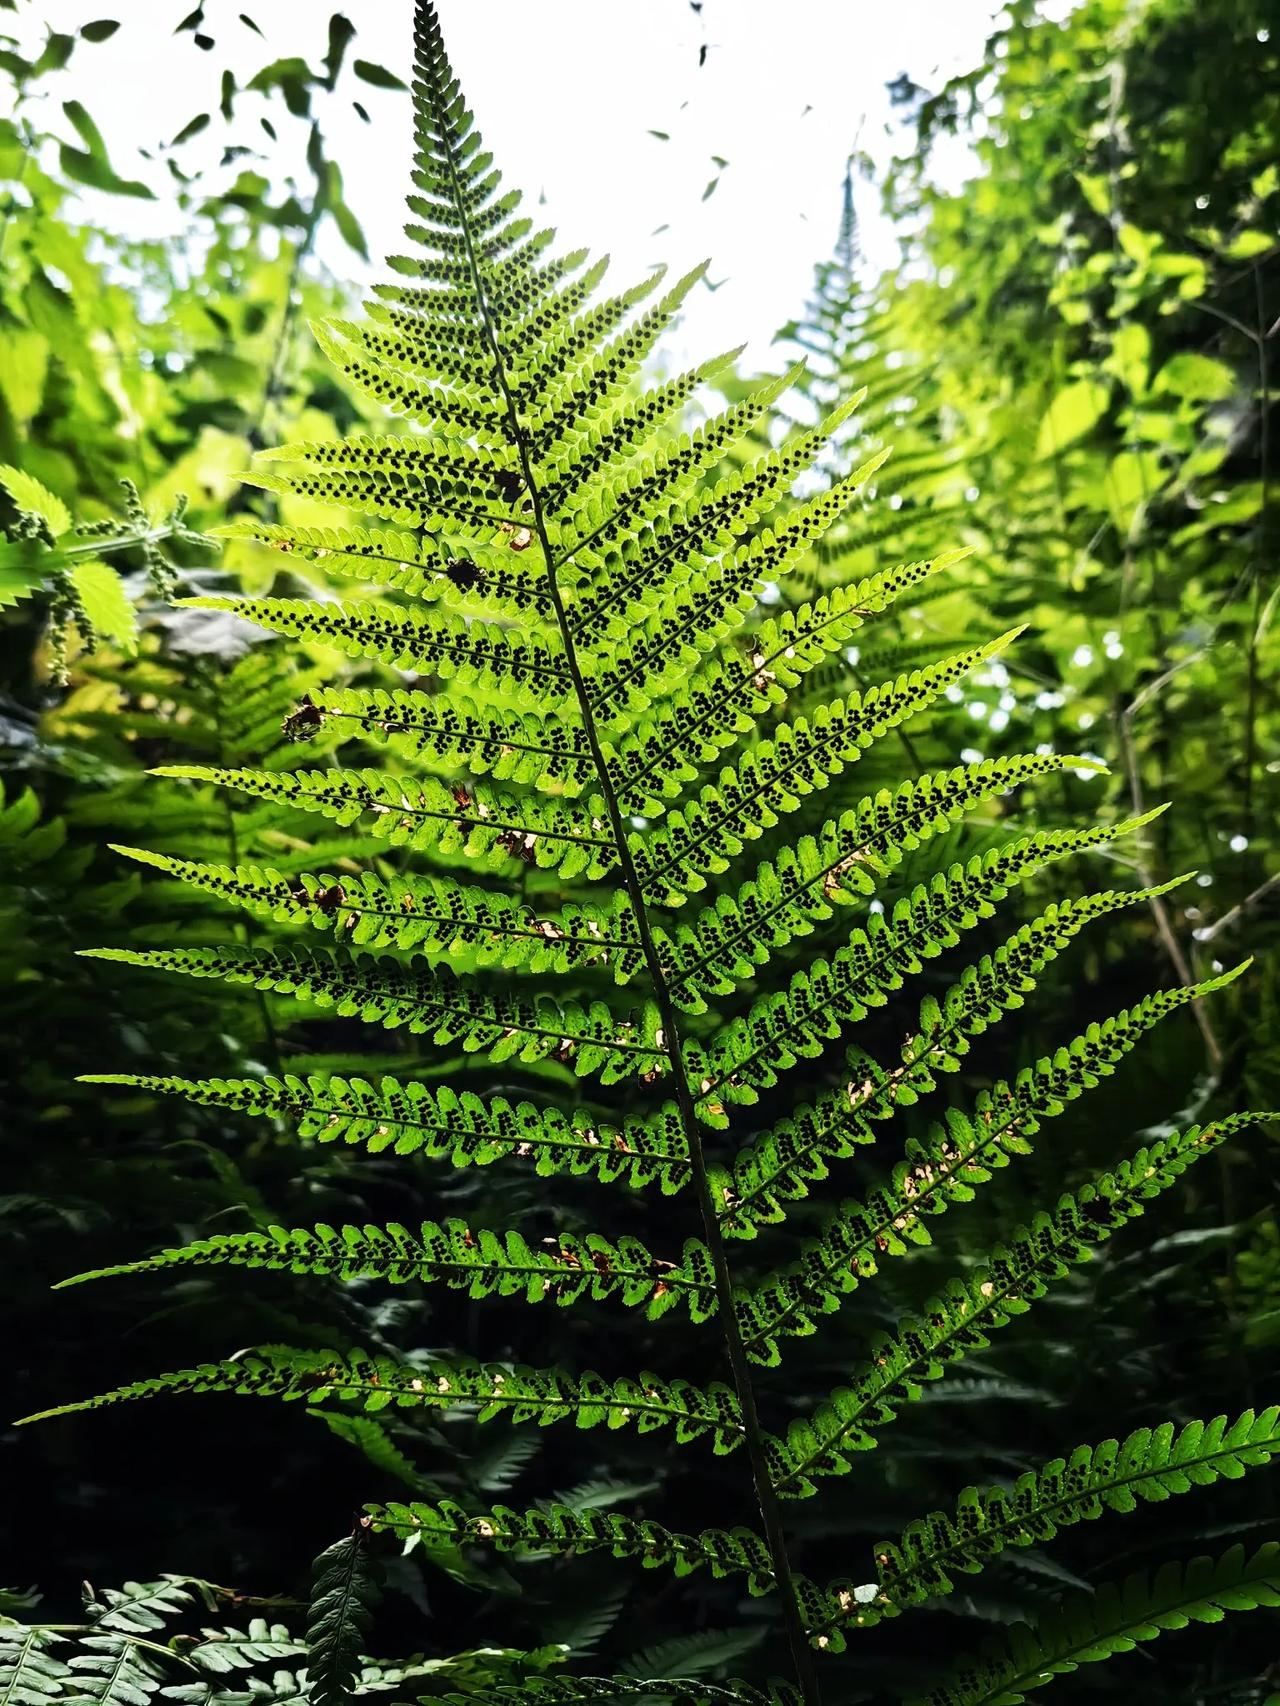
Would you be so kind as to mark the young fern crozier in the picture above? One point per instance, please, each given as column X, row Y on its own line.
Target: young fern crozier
column 600, row 728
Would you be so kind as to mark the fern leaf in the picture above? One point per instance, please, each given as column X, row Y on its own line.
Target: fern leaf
column 222, row 1652
column 490, row 1390
column 419, row 568
column 111, row 1670
column 550, row 754
column 441, row 1123
column 960, row 1318
column 139, row 1607
column 559, row 1528
column 639, row 1690
column 802, row 758
column 1151, row 1464
column 495, row 829
column 802, row 885
column 797, row 1022
column 31, row 1672
column 724, row 700
column 344, row 1589
column 481, row 1263
column 1114, row 1619
column 429, row 914
column 946, row 1167
column 656, row 657
column 592, row 1040
column 782, row 1164
column 455, row 649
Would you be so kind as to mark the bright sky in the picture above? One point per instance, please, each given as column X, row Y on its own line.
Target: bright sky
column 567, row 93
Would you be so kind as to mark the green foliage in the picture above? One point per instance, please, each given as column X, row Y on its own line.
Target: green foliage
column 342, row 1595
column 1114, row 1621
column 596, row 583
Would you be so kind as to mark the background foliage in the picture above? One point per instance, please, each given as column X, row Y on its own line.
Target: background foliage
column 1074, row 366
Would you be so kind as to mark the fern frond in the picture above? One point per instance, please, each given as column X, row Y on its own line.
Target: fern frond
column 802, row 758
column 946, row 1167
column 480, row 823
column 713, row 601
column 1152, row 1464
column 111, row 1670
column 441, row 1123
column 724, row 700
column 548, row 753
column 31, row 1672
column 630, row 571
column 469, row 652
column 1112, row 1620
column 779, row 1167
column 489, row 1390
column 433, row 914
column 797, row 1022
column 592, row 1039
column 559, row 1528
column 688, row 1691
column 139, row 1607
column 428, row 568
column 480, row 1262
column 222, row 1652
column 960, row 1318
column 344, row 1589
column 732, row 938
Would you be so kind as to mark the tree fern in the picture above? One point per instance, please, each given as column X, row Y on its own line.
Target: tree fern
column 607, row 712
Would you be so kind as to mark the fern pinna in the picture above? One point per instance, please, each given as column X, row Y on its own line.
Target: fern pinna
column 604, row 703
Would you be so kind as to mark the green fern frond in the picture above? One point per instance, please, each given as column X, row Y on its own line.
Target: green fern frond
column 480, row 1262
column 222, row 1652
column 796, row 1023
column 961, row 1318
column 497, row 830
column 344, row 1589
column 802, row 758
column 426, row 568
column 688, row 1691
column 781, row 1165
column 592, row 1040
column 559, row 1528
column 31, row 1671
column 1112, row 1620
column 657, row 655
column 510, row 1391
column 946, row 1167
column 639, row 656
column 732, row 939
column 1151, row 1464
column 454, row 648
column 466, row 1129
column 435, row 914
column 547, row 753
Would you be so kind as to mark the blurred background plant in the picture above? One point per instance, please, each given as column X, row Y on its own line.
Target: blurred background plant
column 1074, row 364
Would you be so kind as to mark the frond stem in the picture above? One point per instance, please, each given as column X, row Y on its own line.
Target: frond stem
column 770, row 1509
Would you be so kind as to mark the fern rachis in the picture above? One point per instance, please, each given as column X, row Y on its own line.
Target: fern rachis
column 573, row 581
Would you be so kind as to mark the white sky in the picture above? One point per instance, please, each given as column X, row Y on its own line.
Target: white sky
column 566, row 92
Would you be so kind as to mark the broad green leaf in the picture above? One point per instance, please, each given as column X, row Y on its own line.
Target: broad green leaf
column 29, row 495
column 105, row 602
column 1197, row 377
column 1072, row 412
